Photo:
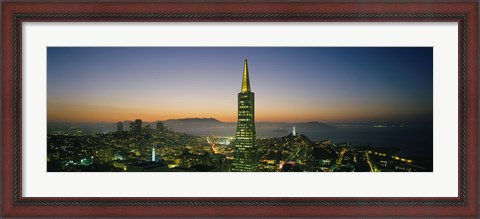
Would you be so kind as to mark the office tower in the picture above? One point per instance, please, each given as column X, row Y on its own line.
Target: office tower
column 245, row 155
column 147, row 129
column 132, row 127
column 293, row 131
column 119, row 126
column 159, row 127
column 138, row 126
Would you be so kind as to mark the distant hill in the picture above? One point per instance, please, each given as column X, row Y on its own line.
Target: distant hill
column 193, row 120
column 192, row 123
column 211, row 122
column 211, row 126
column 315, row 125
column 202, row 126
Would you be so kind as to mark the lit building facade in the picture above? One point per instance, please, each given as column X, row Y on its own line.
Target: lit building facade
column 159, row 127
column 138, row 126
column 245, row 155
column 120, row 127
column 153, row 154
column 132, row 127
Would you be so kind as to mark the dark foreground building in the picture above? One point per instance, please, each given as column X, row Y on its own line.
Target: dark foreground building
column 245, row 156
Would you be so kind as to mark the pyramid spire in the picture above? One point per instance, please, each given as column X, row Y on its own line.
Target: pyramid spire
column 246, row 79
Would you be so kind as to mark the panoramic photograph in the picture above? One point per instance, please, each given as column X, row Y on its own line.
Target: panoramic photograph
column 240, row 109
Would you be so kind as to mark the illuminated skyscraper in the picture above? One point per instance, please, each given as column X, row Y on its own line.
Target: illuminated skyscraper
column 132, row 127
column 245, row 156
column 119, row 126
column 138, row 126
column 153, row 153
column 159, row 127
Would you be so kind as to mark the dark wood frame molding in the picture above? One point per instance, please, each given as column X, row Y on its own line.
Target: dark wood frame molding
column 14, row 13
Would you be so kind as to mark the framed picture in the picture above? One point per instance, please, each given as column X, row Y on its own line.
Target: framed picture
column 222, row 109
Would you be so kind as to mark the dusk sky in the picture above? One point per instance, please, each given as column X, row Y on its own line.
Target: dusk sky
column 291, row 84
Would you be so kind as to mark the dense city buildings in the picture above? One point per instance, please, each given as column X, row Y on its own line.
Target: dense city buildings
column 171, row 151
column 245, row 156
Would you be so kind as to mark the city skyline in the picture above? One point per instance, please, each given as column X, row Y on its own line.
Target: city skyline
column 317, row 148
column 292, row 84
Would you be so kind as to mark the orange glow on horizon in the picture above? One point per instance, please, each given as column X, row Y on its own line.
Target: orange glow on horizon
column 94, row 113
column 78, row 113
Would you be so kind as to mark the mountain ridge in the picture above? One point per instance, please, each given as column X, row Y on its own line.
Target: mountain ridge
column 185, row 124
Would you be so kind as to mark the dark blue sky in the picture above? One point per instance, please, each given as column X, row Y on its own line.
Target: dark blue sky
column 328, row 84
